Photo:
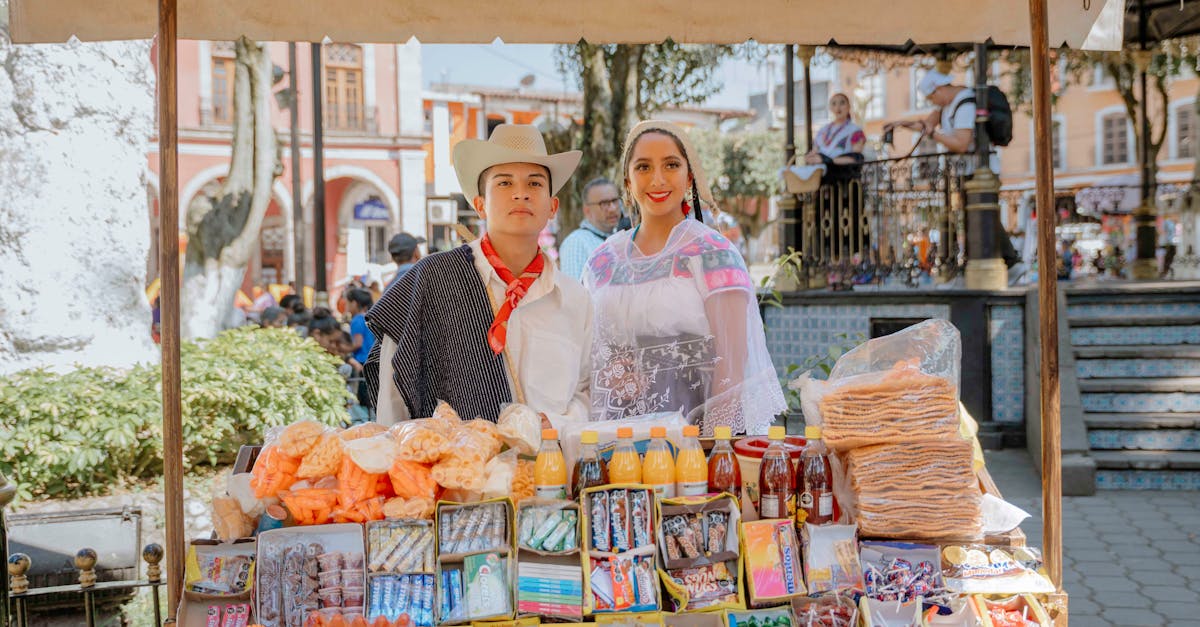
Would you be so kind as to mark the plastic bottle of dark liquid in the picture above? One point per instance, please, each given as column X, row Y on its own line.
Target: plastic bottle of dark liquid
column 589, row 468
column 816, row 506
column 776, row 479
column 724, row 472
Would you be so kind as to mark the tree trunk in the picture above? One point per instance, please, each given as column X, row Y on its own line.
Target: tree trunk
column 223, row 230
column 596, row 139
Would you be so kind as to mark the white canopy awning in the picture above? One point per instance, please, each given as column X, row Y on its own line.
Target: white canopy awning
column 864, row 22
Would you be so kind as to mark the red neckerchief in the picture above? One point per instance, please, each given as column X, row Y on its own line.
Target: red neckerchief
column 513, row 293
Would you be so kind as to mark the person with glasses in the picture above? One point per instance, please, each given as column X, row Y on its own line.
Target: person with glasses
column 601, row 212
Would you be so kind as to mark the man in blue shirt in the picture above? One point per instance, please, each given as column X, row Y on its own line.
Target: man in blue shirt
column 405, row 250
column 601, row 211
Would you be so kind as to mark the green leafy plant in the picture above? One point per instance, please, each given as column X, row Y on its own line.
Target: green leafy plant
column 820, row 365
column 94, row 429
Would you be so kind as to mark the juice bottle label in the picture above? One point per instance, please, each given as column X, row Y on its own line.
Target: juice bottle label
column 664, row 490
column 773, row 506
column 692, row 488
column 825, row 504
column 551, row 491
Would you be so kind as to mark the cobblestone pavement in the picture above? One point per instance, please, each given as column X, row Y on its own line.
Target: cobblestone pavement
column 1130, row 557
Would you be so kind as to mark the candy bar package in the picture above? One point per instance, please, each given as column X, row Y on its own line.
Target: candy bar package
column 391, row 596
column 475, row 561
column 772, row 557
column 831, row 561
column 978, row 568
column 699, row 548
column 619, row 545
column 474, row 527
column 899, row 571
column 303, row 571
column 549, row 570
column 400, row 547
column 830, row 609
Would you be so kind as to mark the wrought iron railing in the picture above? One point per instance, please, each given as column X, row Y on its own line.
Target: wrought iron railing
column 899, row 221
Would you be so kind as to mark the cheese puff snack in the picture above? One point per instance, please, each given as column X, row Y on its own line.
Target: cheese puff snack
column 419, row 442
column 298, row 438
column 460, row 472
column 486, row 436
column 445, row 419
column 522, row 483
column 273, row 472
column 323, row 460
column 364, row 430
column 400, row 507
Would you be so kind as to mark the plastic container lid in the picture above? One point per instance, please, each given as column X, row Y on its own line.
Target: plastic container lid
column 812, row 433
column 549, row 434
column 658, row 432
column 691, row 431
column 589, row 437
column 722, row 433
column 754, row 447
column 624, row 432
column 775, row 433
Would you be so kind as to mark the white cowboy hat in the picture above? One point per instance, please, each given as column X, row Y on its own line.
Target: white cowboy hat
column 510, row 143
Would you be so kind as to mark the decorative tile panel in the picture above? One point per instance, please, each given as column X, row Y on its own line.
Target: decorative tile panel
column 1107, row 310
column 1148, row 480
column 1132, row 402
column 1124, row 336
column 1147, row 440
column 1007, row 345
column 1137, row 368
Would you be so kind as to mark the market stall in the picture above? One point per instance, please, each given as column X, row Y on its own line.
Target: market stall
column 1093, row 24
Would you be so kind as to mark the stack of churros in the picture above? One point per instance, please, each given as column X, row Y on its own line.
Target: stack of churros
column 906, row 405
column 917, row 491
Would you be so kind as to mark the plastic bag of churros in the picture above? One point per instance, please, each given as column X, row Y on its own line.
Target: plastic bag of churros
column 897, row 388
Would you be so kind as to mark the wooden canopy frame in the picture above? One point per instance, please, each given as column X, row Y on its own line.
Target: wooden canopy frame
column 1079, row 23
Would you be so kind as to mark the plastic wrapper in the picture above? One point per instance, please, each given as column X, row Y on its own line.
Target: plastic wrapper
column 222, row 569
column 229, row 522
column 374, row 454
column 897, row 388
column 978, row 568
column 475, row 527
column 462, row 468
column 916, row 491
column 298, row 438
column 444, row 418
column 355, row 484
column 274, row 471
column 421, row 441
column 484, row 437
column 312, row 505
column 417, row 508
column 323, row 460
column 897, row 571
column 500, row 471
column 364, row 430
column 521, row 428
column 826, row 610
column 522, row 484
column 412, row 480
column 548, row 527
column 831, row 561
column 360, row 511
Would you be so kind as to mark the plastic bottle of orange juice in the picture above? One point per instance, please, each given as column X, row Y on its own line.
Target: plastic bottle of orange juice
column 625, row 466
column 550, row 469
column 691, row 469
column 658, row 467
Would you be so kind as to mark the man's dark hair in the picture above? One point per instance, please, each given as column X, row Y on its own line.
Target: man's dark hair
column 594, row 183
column 270, row 314
column 322, row 321
column 360, row 297
column 299, row 319
column 292, row 302
column 483, row 177
column 403, row 258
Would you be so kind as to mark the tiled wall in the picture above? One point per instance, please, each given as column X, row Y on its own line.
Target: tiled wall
column 795, row 332
column 1107, row 310
column 1125, row 336
column 1147, row 480
column 1132, row 402
column 1137, row 368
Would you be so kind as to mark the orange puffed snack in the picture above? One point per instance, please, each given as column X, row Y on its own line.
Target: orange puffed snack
column 273, row 472
column 298, row 438
column 360, row 512
column 400, row 507
column 364, row 430
column 410, row 479
column 323, row 460
column 310, row 506
column 355, row 484
column 418, row 442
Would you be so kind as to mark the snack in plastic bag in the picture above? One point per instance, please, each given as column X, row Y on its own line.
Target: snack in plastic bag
column 229, row 522
column 364, row 430
column 971, row 568
column 898, row 388
column 360, row 511
column 521, row 428
column 354, row 483
column 500, row 472
column 274, row 471
column 460, row 472
column 918, row 491
column 825, row 610
column 420, row 441
column 400, row 507
column 298, row 438
column 485, row 437
column 522, row 484
column 323, row 460
column 374, row 454
column 444, row 418
column 831, row 560
column 312, row 505
column 410, row 479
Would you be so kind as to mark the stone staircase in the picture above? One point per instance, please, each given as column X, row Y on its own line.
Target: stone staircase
column 1137, row 358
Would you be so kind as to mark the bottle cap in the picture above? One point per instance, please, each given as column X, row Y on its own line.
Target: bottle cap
column 776, row 433
column 589, row 437
column 624, row 432
column 549, row 434
column 658, row 432
column 812, row 433
column 722, row 433
column 691, row 431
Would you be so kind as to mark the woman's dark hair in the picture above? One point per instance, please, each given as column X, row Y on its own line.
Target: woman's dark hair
column 360, row 297
column 292, row 303
column 299, row 319
column 322, row 321
column 697, row 212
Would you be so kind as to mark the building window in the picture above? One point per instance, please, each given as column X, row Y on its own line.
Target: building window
column 377, row 241
column 344, row 87
column 1185, row 131
column 223, row 80
column 1101, row 79
column 870, row 94
column 916, row 100
column 1114, row 139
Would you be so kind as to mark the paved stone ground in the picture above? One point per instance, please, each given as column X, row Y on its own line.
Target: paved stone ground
column 1130, row 557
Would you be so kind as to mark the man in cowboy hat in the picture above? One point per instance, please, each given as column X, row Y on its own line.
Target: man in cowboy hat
column 493, row 321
